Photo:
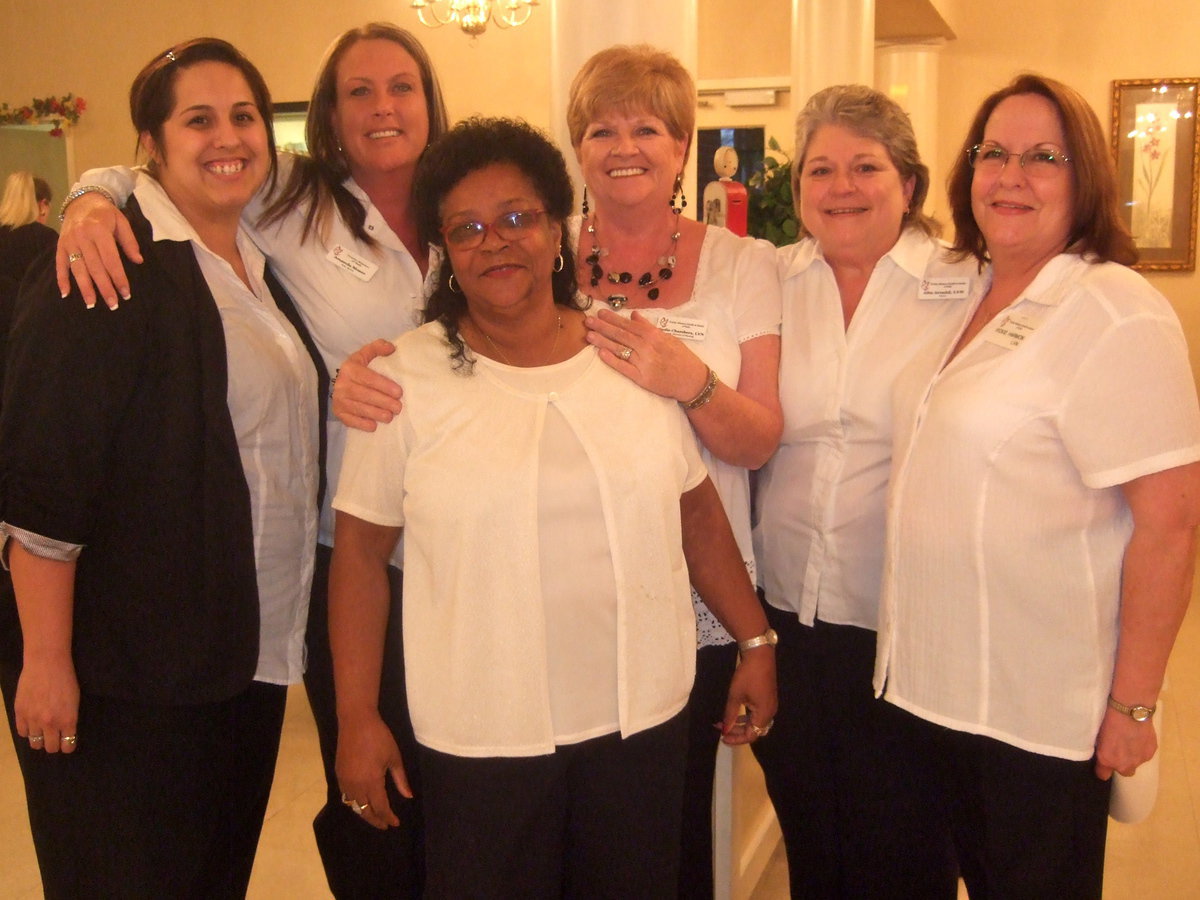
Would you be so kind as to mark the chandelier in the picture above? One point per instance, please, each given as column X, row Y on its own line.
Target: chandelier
column 472, row 15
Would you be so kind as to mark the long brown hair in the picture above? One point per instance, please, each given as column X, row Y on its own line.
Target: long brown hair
column 1096, row 225
column 316, row 180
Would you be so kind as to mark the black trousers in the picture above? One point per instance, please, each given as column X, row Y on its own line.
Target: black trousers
column 1025, row 826
column 850, row 776
column 597, row 819
column 156, row 801
column 706, row 706
column 362, row 863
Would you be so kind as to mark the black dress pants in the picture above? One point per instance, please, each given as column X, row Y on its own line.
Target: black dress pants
column 361, row 862
column 850, row 776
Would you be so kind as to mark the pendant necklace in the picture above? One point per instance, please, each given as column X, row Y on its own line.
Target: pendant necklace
column 647, row 282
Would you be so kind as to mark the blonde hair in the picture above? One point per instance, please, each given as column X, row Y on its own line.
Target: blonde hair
column 633, row 79
column 22, row 194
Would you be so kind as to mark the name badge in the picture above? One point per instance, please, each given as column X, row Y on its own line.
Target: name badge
column 1010, row 332
column 344, row 258
column 944, row 288
column 684, row 329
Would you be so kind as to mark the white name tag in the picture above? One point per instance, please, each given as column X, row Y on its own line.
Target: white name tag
column 677, row 326
column 1010, row 332
column 944, row 288
column 362, row 269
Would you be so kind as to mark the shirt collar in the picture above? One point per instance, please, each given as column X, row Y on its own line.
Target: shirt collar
column 1045, row 289
column 910, row 253
column 167, row 223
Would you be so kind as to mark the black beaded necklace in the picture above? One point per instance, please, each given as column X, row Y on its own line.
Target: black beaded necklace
column 647, row 282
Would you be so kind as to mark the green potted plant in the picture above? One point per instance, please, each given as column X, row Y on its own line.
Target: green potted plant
column 770, row 214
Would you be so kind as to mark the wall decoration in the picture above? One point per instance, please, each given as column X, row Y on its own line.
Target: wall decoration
column 1157, row 148
column 52, row 111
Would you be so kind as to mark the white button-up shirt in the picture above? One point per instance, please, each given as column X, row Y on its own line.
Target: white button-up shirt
column 272, row 397
column 1007, row 526
column 374, row 292
column 821, row 498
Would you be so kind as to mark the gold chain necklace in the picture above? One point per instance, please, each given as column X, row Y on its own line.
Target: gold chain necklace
column 504, row 356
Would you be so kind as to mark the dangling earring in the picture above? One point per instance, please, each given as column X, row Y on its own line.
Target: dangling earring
column 453, row 287
column 560, row 262
column 585, row 209
column 677, row 192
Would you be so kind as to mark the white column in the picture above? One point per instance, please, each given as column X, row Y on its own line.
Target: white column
column 579, row 28
column 833, row 42
column 908, row 73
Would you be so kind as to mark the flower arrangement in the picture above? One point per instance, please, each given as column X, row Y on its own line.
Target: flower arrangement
column 52, row 110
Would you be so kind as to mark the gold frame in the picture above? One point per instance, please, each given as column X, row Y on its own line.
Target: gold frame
column 1166, row 236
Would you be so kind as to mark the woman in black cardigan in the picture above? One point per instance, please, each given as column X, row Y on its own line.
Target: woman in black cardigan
column 159, row 474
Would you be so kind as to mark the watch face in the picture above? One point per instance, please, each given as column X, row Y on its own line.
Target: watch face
column 1141, row 713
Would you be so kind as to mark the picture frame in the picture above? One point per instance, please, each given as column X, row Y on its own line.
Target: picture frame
column 1157, row 148
column 290, row 117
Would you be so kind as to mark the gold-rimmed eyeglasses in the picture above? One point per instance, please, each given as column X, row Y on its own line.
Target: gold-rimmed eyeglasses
column 1041, row 161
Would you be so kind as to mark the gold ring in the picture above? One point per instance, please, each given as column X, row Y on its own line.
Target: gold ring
column 68, row 739
column 36, row 738
column 626, row 353
column 74, row 257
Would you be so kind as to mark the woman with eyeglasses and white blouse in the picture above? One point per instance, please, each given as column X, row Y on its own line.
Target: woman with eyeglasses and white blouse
column 1044, row 500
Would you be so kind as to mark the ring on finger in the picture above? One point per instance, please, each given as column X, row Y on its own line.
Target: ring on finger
column 358, row 808
column 36, row 738
column 626, row 353
column 74, row 257
column 68, row 739
column 762, row 730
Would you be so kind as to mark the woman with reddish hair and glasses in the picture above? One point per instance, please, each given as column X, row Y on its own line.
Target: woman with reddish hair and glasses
column 1044, row 501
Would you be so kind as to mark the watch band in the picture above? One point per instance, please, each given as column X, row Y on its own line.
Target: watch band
column 1137, row 713
column 767, row 638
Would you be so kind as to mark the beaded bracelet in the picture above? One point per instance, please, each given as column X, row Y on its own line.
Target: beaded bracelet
column 706, row 393
column 79, row 192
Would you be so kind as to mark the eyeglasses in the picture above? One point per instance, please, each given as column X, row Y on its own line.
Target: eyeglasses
column 512, row 226
column 1038, row 162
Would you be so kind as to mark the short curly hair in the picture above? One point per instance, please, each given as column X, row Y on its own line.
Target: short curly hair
column 633, row 79
column 469, row 146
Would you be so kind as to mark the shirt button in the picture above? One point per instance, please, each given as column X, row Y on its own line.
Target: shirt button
column 553, row 396
column 370, row 228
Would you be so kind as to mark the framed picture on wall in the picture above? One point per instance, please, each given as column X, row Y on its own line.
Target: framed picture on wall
column 289, row 125
column 1157, row 147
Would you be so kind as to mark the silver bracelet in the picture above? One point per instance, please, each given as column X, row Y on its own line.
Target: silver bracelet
column 706, row 393
column 79, row 192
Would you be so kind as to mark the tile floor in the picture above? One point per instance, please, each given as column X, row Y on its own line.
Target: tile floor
column 1157, row 858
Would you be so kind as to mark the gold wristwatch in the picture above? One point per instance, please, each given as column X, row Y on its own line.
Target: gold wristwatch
column 1137, row 713
column 767, row 638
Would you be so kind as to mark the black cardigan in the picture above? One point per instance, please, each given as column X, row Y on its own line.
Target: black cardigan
column 115, row 433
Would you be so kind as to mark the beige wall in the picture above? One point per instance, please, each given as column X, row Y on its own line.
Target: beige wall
column 82, row 46
column 94, row 48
